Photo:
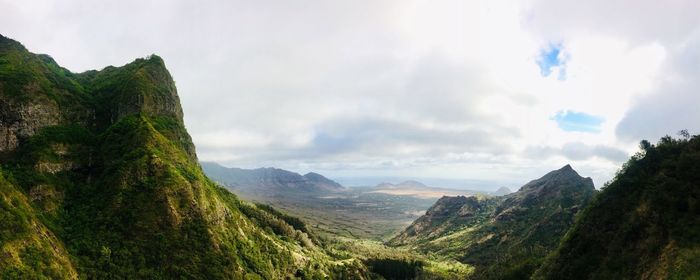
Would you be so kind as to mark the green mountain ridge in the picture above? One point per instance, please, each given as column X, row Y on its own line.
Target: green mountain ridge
column 100, row 180
column 645, row 224
column 504, row 236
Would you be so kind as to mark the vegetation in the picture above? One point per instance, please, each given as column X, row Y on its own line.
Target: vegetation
column 330, row 209
column 99, row 179
column 502, row 237
column 644, row 224
column 395, row 268
column 396, row 263
column 103, row 182
column 28, row 249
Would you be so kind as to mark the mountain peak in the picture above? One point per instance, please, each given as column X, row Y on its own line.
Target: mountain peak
column 116, row 148
column 565, row 177
column 313, row 175
column 566, row 172
column 502, row 191
column 638, row 218
column 141, row 86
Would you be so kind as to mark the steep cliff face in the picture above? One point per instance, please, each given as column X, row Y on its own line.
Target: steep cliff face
column 31, row 90
column 645, row 224
column 504, row 236
column 104, row 183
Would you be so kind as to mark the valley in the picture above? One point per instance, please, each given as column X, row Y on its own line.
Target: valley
column 374, row 213
column 100, row 179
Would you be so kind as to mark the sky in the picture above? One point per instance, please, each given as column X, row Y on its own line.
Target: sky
column 471, row 94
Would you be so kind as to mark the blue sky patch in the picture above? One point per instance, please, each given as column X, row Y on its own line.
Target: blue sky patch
column 550, row 57
column 578, row 121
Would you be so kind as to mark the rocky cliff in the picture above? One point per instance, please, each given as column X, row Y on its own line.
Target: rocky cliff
column 99, row 179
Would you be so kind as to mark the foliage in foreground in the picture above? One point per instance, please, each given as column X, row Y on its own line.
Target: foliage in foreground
column 396, row 263
column 645, row 224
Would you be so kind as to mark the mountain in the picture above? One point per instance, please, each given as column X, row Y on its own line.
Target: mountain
column 269, row 180
column 502, row 191
column 645, row 224
column 100, row 179
column 448, row 214
column 322, row 182
column 328, row 207
column 418, row 190
column 410, row 184
column 504, row 236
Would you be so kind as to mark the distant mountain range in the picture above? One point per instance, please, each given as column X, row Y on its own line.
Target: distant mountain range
column 266, row 180
column 99, row 180
column 418, row 189
column 368, row 212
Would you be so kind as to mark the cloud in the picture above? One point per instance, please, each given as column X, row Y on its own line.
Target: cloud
column 451, row 89
column 640, row 22
column 673, row 105
column 578, row 151
column 360, row 139
column 395, row 139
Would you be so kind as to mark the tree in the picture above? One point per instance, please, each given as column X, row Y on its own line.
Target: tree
column 644, row 145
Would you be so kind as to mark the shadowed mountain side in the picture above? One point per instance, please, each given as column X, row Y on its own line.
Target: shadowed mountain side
column 502, row 236
column 645, row 224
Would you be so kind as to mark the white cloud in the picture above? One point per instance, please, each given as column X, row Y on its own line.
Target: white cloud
column 446, row 89
column 672, row 105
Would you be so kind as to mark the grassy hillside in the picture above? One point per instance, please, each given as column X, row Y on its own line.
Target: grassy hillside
column 29, row 250
column 100, row 180
column 645, row 224
column 502, row 237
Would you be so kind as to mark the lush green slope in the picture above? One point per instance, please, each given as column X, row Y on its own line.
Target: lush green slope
column 100, row 180
column 645, row 224
column 28, row 249
column 503, row 237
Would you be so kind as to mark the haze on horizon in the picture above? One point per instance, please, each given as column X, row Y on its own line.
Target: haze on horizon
column 486, row 91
